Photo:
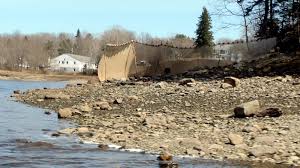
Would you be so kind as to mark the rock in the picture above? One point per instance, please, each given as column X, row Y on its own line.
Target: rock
column 67, row 131
column 254, row 128
column 216, row 147
column 40, row 100
column 38, row 145
column 265, row 140
column 56, row 134
column 234, row 82
column 262, row 150
column 154, row 121
column 47, row 112
column 280, row 79
column 248, row 109
column 185, row 81
column 103, row 105
column 165, row 156
column 192, row 152
column 161, row 85
column 235, row 139
column 93, row 81
column 118, row 101
column 191, row 84
column 103, row 147
column 65, row 113
column 133, row 98
column 85, row 108
column 187, row 104
column 17, row 91
column 56, row 96
column 190, row 143
column 271, row 112
column 226, row 86
column 83, row 130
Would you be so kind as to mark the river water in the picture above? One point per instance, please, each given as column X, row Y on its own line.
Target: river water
column 20, row 122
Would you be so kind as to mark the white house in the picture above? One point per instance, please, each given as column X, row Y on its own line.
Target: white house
column 72, row 63
column 225, row 51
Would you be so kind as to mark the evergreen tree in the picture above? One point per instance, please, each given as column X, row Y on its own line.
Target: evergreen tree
column 203, row 32
column 78, row 46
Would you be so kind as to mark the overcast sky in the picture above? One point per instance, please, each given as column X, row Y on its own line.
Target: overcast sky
column 161, row 18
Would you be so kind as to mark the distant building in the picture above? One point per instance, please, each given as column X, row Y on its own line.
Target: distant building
column 72, row 63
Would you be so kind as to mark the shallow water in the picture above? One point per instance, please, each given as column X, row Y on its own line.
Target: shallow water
column 19, row 121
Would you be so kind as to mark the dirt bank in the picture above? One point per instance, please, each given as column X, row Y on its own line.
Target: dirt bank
column 189, row 119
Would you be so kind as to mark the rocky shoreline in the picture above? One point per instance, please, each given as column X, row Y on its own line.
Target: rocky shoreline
column 186, row 117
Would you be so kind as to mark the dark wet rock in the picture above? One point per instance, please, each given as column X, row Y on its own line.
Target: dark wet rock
column 103, row 147
column 17, row 91
column 47, row 112
column 164, row 164
column 234, row 82
column 55, row 134
column 50, row 96
column 270, row 112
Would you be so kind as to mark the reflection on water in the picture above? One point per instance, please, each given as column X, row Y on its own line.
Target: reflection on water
column 21, row 124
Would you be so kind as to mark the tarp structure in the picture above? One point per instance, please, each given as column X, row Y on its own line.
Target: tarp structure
column 134, row 59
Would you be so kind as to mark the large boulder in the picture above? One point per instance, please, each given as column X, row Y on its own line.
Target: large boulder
column 65, row 113
column 234, row 82
column 248, row 109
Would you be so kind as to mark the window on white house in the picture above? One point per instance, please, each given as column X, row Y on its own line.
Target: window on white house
column 63, row 62
column 59, row 62
column 67, row 62
column 74, row 62
column 222, row 52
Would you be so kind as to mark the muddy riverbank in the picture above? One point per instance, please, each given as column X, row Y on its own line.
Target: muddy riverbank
column 27, row 75
column 184, row 118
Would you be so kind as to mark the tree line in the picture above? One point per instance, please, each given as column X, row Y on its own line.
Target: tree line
column 264, row 19
column 19, row 51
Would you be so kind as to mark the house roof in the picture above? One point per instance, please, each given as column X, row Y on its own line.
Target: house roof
column 80, row 58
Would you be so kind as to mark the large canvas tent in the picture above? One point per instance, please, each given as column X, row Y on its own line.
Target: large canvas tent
column 138, row 59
